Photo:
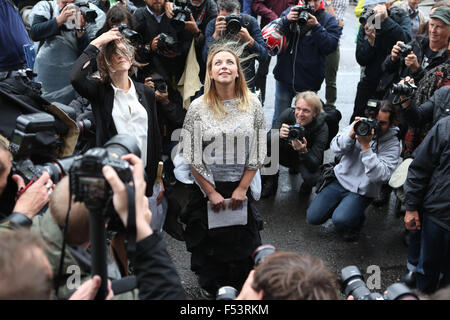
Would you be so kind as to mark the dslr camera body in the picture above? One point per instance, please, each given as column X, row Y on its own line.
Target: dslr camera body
column 129, row 33
column 181, row 14
column 303, row 11
column 405, row 50
column 167, row 43
column 235, row 22
column 364, row 126
column 365, row 15
column 296, row 132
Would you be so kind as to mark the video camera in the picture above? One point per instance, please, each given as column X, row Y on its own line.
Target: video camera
column 352, row 283
column 181, row 14
column 364, row 126
column 296, row 132
column 258, row 256
column 128, row 33
column 303, row 11
column 235, row 22
column 365, row 15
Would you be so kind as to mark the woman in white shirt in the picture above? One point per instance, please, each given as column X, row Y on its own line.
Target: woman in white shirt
column 119, row 104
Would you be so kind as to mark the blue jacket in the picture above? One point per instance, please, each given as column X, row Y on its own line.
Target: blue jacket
column 259, row 47
column 13, row 36
column 303, row 61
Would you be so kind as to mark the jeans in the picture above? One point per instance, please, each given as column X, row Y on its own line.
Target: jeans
column 284, row 94
column 344, row 207
column 434, row 257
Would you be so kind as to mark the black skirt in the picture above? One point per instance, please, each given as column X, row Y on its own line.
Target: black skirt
column 220, row 256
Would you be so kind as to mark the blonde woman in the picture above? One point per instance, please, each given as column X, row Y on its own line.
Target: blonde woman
column 223, row 142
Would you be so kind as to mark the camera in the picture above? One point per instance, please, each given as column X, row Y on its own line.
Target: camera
column 181, row 14
column 235, row 22
column 86, row 178
column 128, row 33
column 226, row 293
column 405, row 50
column 303, row 11
column 166, row 43
column 352, row 283
column 364, row 126
column 88, row 14
column 159, row 82
column 261, row 253
column 365, row 15
column 296, row 132
column 406, row 89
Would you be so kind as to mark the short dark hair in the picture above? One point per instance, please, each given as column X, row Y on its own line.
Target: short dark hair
column 388, row 106
column 23, row 276
column 289, row 276
column 228, row 5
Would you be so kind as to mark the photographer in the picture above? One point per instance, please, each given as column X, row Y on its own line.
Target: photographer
column 289, row 276
column 367, row 161
column 427, row 191
column 376, row 37
column 119, row 104
column 303, row 151
column 425, row 52
column 32, row 198
column 202, row 12
column 301, row 67
column 249, row 32
column 63, row 32
column 165, row 47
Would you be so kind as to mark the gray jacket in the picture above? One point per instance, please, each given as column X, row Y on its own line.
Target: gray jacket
column 365, row 172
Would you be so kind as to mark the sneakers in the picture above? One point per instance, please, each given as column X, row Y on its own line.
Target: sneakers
column 409, row 278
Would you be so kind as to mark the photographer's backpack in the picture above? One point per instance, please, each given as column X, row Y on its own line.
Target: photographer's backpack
column 332, row 118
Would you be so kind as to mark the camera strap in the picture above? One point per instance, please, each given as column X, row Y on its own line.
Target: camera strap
column 131, row 223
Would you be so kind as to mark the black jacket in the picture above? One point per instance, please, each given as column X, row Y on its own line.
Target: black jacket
column 398, row 68
column 396, row 27
column 436, row 108
column 316, row 134
column 101, row 96
column 157, row 278
column 148, row 27
column 427, row 186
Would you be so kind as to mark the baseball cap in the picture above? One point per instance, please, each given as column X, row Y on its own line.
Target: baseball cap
column 442, row 13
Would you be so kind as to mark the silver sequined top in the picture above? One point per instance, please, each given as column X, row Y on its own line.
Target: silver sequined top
column 222, row 149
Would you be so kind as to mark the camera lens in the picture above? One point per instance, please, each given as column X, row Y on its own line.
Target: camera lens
column 362, row 128
column 261, row 253
column 123, row 144
column 352, row 283
column 226, row 293
column 233, row 26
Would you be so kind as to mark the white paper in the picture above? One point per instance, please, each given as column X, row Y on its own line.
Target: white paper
column 227, row 217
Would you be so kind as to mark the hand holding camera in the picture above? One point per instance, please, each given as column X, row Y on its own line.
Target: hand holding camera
column 120, row 197
column 221, row 26
column 66, row 13
column 293, row 14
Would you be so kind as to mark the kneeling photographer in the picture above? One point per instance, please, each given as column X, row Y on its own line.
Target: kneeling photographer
column 303, row 139
column 369, row 151
column 231, row 25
